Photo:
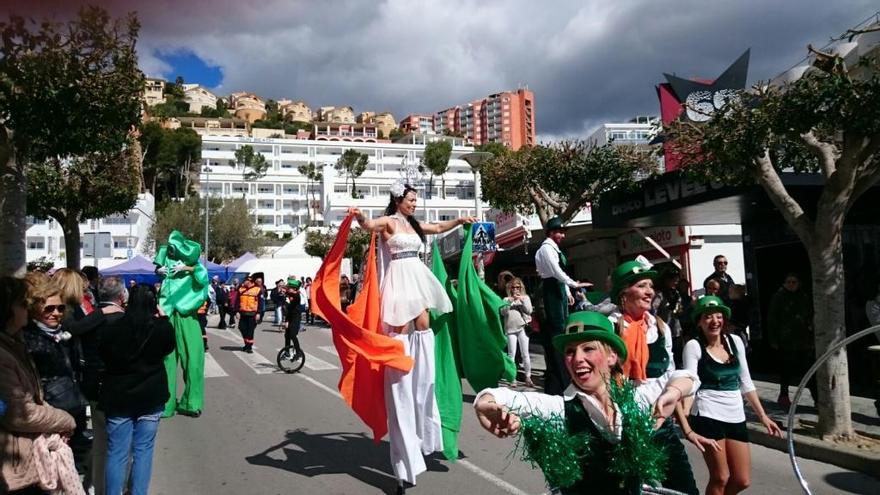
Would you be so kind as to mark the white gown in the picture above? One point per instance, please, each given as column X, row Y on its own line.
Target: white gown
column 414, row 428
column 408, row 286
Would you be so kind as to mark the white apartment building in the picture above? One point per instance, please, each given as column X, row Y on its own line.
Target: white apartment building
column 198, row 97
column 280, row 200
column 104, row 242
column 638, row 130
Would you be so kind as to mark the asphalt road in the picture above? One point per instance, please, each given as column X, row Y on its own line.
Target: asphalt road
column 266, row 432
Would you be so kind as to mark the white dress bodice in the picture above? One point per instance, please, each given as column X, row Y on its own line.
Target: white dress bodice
column 404, row 241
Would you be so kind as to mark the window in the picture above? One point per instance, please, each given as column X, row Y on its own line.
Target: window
column 239, row 188
column 266, row 188
column 116, row 220
column 340, row 188
column 36, row 243
column 617, row 135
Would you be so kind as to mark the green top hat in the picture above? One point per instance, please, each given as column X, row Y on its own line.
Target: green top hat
column 554, row 223
column 709, row 304
column 294, row 283
column 629, row 273
column 182, row 249
column 589, row 325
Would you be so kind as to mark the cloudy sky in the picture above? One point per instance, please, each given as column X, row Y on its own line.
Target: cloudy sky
column 587, row 61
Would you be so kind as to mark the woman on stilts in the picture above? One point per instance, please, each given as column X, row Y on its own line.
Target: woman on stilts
column 408, row 291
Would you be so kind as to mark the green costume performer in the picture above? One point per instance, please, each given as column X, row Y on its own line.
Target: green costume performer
column 183, row 291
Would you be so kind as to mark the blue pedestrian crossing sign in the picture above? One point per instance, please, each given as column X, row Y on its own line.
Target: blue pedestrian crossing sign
column 484, row 237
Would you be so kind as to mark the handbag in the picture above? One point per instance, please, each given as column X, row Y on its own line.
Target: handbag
column 62, row 392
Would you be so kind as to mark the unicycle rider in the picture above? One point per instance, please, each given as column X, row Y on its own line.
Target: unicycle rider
column 293, row 313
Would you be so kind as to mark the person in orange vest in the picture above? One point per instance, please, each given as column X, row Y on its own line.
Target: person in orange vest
column 248, row 309
column 203, row 321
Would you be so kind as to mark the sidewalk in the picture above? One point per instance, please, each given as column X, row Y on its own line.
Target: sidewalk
column 864, row 417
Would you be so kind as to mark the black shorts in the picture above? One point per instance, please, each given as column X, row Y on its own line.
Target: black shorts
column 719, row 430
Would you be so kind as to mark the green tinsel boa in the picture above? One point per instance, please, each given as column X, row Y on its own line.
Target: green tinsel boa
column 547, row 444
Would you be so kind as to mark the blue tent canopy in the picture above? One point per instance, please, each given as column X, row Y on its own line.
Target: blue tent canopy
column 143, row 271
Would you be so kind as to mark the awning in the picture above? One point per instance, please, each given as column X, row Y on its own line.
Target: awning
column 512, row 238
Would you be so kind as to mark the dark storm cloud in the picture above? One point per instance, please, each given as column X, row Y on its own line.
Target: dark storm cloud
column 587, row 62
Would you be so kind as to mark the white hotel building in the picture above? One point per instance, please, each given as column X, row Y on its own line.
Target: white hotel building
column 104, row 242
column 280, row 200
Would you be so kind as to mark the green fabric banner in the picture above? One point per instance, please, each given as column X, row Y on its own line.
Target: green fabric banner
column 447, row 382
column 481, row 337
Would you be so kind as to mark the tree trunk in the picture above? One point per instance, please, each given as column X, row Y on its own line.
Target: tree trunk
column 13, row 209
column 70, row 228
column 443, row 185
column 829, row 322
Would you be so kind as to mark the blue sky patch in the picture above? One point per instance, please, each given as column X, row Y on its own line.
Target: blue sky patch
column 192, row 68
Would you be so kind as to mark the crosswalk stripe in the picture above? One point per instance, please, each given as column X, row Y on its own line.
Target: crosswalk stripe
column 328, row 348
column 226, row 335
column 315, row 364
column 212, row 367
column 257, row 362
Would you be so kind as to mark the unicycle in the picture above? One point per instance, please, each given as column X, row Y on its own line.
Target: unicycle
column 290, row 360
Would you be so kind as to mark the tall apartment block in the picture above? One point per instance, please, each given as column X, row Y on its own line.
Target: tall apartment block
column 507, row 118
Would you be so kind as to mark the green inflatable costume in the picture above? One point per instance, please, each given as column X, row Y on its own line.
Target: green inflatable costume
column 184, row 289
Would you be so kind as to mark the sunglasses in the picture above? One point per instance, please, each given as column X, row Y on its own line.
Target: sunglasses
column 720, row 262
column 53, row 307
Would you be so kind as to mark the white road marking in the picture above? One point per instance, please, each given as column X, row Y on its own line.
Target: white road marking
column 257, row 362
column 329, row 349
column 212, row 367
column 233, row 337
column 315, row 364
column 491, row 478
column 495, row 480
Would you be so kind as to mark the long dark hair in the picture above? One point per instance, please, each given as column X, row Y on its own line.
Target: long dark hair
column 141, row 304
column 726, row 342
column 391, row 209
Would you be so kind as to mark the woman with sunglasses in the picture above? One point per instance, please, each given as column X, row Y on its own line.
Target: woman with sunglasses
column 27, row 414
column 54, row 356
column 516, row 319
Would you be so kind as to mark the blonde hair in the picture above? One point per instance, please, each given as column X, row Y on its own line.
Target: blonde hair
column 72, row 284
column 38, row 291
column 514, row 280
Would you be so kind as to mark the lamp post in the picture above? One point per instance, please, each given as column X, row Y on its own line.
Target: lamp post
column 207, row 171
column 476, row 160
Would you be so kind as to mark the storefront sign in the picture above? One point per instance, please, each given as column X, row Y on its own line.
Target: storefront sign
column 662, row 192
column 633, row 242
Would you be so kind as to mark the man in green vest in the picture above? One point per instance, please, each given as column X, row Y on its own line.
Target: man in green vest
column 555, row 283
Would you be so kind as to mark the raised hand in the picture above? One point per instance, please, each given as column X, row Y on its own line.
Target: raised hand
column 497, row 419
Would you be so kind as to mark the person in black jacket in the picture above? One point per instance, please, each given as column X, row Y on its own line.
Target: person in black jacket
column 293, row 313
column 221, row 297
column 134, row 388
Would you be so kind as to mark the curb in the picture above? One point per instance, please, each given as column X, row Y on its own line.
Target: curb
column 811, row 448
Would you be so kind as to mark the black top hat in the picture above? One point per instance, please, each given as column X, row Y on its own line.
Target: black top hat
column 554, row 223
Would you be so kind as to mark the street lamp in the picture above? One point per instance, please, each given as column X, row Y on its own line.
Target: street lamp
column 476, row 160
column 207, row 170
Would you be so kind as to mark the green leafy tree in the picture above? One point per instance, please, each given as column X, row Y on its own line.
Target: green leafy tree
column 70, row 95
column 171, row 158
column 827, row 123
column 318, row 243
column 352, row 164
column 395, row 134
column 254, row 165
column 436, row 160
column 314, row 175
column 232, row 231
column 560, row 179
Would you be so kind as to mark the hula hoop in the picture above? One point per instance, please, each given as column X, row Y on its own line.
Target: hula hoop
column 791, row 410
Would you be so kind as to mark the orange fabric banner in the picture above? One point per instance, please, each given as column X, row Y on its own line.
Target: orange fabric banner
column 362, row 347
